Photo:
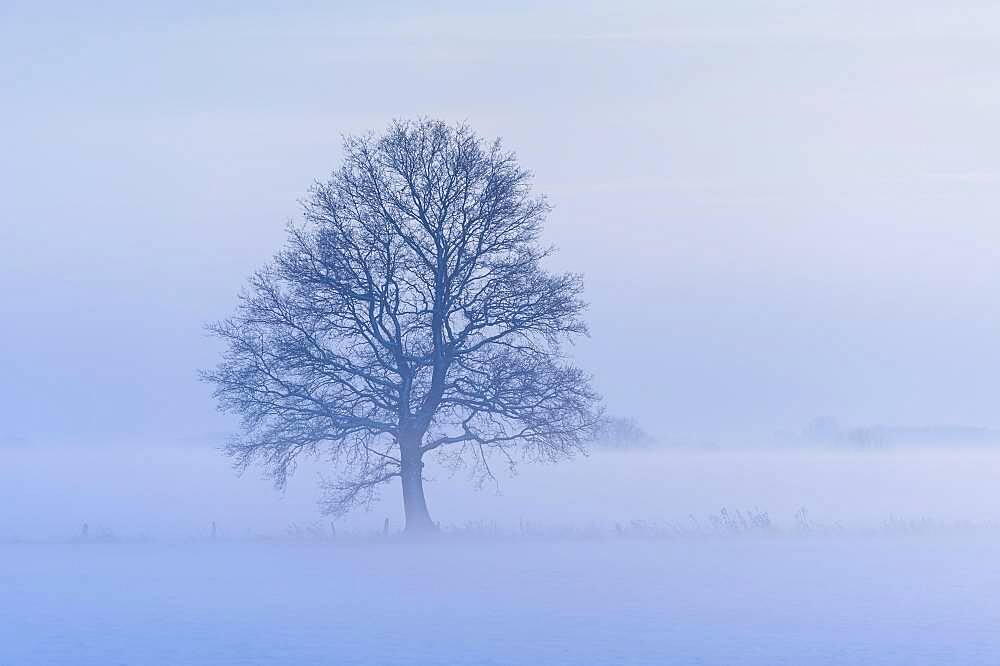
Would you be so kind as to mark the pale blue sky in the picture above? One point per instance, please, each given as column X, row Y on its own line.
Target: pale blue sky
column 781, row 210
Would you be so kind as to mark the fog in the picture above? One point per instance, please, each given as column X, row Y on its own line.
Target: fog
column 798, row 199
column 175, row 494
column 612, row 559
column 785, row 219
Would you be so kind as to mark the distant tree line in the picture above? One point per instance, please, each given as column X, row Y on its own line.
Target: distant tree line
column 828, row 431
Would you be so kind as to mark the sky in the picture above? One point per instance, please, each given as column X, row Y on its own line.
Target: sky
column 782, row 210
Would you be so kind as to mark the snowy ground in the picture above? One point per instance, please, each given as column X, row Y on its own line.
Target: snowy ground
column 851, row 599
column 894, row 563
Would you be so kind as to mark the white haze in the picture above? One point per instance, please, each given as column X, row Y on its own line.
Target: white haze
column 176, row 493
column 893, row 564
column 782, row 211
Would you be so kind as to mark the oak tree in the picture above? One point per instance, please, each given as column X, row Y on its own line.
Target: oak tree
column 408, row 313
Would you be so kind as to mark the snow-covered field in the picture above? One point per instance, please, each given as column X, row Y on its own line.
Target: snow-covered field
column 874, row 600
column 895, row 562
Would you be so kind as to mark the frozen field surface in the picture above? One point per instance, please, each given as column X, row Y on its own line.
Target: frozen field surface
column 872, row 599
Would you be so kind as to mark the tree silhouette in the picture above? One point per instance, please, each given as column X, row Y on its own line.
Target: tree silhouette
column 408, row 313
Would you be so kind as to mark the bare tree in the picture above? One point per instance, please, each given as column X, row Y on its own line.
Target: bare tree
column 408, row 313
column 621, row 432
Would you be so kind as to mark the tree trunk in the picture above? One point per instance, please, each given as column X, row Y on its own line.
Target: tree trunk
column 418, row 519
